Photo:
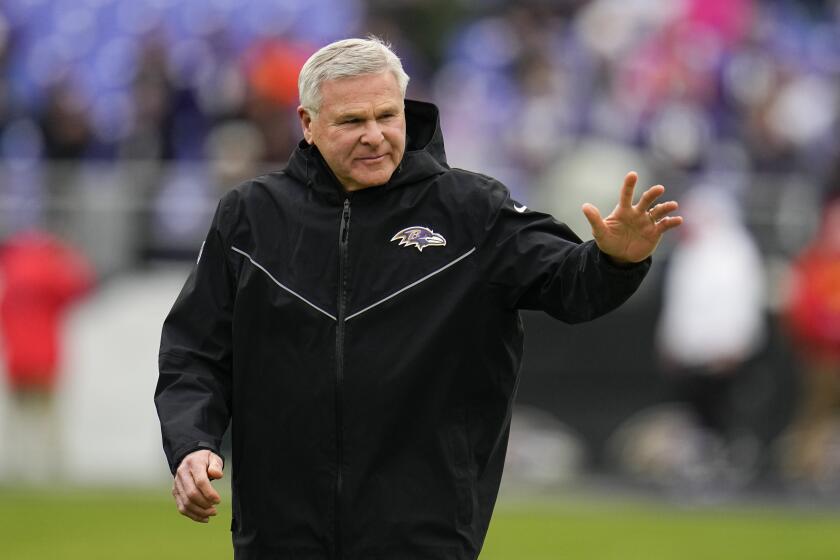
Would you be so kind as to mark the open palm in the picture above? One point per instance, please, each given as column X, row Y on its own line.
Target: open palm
column 632, row 231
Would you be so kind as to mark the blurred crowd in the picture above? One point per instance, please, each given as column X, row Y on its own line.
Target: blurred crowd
column 535, row 93
column 733, row 104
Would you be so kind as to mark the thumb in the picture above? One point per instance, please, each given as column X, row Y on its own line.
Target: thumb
column 593, row 216
column 214, row 468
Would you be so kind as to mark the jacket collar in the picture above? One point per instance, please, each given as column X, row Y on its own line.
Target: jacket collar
column 424, row 157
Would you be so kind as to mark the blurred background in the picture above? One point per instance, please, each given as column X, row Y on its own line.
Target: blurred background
column 715, row 387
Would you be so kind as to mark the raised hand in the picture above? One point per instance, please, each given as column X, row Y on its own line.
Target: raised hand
column 631, row 232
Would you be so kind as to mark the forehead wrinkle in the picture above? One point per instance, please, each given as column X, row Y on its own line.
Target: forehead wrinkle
column 358, row 98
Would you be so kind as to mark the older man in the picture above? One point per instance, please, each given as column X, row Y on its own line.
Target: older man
column 356, row 315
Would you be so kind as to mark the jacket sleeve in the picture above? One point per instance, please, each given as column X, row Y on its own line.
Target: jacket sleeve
column 534, row 262
column 193, row 394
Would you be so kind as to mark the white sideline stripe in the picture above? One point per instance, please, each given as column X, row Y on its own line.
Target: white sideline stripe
column 398, row 292
column 294, row 293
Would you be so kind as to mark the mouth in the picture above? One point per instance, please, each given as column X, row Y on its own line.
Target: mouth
column 372, row 159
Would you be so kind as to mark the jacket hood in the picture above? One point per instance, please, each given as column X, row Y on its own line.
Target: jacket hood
column 424, row 156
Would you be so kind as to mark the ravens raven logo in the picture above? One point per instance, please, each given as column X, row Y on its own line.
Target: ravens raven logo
column 419, row 237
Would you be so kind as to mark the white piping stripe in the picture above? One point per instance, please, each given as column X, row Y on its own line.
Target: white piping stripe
column 398, row 292
column 294, row 293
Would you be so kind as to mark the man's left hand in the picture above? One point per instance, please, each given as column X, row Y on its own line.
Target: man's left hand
column 631, row 232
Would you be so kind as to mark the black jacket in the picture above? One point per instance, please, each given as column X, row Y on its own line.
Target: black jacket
column 369, row 369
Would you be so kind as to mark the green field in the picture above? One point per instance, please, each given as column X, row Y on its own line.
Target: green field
column 126, row 525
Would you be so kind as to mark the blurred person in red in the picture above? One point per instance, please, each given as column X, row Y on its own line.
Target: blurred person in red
column 812, row 316
column 41, row 276
column 271, row 69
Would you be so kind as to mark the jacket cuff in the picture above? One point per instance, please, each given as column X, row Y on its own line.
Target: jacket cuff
column 185, row 450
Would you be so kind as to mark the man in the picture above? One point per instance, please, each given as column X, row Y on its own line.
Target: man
column 356, row 315
column 811, row 315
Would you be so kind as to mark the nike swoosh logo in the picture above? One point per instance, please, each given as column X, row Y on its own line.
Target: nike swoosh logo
column 520, row 209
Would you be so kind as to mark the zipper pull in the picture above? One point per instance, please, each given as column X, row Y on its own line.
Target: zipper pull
column 345, row 220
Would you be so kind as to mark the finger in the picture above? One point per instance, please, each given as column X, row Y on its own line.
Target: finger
column 649, row 197
column 209, row 496
column 593, row 216
column 626, row 197
column 215, row 470
column 191, row 510
column 663, row 209
column 184, row 510
column 190, row 491
column 668, row 222
column 195, row 517
column 199, row 511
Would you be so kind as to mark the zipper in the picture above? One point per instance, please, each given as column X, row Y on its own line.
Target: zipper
column 339, row 367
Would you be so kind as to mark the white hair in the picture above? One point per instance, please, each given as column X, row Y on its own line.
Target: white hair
column 345, row 59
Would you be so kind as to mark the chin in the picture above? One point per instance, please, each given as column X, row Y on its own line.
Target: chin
column 373, row 180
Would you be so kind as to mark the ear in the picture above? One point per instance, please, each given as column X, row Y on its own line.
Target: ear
column 305, row 124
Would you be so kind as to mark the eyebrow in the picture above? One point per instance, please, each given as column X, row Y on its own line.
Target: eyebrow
column 353, row 114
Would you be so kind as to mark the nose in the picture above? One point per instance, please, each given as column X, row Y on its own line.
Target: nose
column 372, row 134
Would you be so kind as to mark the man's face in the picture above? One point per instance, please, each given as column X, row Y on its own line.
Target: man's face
column 360, row 129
